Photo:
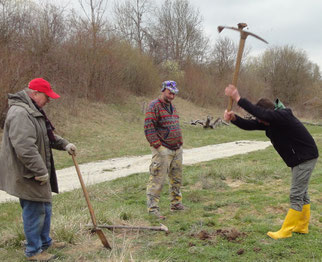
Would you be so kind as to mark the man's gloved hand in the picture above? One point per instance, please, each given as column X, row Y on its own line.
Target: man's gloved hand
column 71, row 149
column 42, row 179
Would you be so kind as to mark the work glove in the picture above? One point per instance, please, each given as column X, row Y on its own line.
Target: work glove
column 42, row 179
column 71, row 149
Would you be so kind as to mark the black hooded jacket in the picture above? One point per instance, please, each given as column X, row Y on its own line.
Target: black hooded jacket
column 288, row 135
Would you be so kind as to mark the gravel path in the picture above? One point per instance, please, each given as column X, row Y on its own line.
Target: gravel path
column 110, row 169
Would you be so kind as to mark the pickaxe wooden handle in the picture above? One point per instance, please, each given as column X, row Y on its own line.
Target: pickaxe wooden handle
column 243, row 36
column 237, row 67
column 91, row 211
column 111, row 227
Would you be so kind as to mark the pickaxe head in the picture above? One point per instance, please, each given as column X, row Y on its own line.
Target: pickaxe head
column 243, row 33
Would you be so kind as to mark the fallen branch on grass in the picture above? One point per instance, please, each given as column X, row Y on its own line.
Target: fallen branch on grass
column 208, row 124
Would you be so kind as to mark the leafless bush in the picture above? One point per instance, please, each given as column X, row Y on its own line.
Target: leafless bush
column 178, row 33
column 223, row 58
column 288, row 72
column 82, row 56
column 132, row 22
column 200, row 87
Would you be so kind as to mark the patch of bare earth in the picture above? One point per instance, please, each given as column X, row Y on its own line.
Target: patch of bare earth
column 230, row 234
column 234, row 183
column 196, row 186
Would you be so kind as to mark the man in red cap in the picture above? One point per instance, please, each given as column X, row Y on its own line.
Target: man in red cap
column 27, row 168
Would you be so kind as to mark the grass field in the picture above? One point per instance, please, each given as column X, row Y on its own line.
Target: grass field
column 231, row 203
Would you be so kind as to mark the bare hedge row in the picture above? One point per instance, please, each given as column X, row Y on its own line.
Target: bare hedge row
column 83, row 59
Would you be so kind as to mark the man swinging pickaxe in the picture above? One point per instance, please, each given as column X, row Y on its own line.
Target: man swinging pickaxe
column 243, row 36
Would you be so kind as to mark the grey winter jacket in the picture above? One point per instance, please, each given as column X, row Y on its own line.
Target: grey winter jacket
column 25, row 151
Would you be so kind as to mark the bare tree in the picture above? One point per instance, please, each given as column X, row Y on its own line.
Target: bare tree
column 46, row 30
column 131, row 21
column 179, row 33
column 13, row 16
column 223, row 57
column 316, row 74
column 94, row 21
column 89, row 31
column 288, row 72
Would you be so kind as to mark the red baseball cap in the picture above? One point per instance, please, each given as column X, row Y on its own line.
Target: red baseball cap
column 43, row 86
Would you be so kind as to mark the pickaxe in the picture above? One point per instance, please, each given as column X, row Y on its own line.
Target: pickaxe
column 243, row 36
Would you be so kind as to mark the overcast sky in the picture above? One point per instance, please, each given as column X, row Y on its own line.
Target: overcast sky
column 280, row 22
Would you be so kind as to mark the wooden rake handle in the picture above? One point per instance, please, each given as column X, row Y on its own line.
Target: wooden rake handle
column 91, row 210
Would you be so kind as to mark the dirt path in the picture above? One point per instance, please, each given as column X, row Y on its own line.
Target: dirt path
column 110, row 169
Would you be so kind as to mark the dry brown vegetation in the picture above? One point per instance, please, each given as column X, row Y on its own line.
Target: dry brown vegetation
column 90, row 57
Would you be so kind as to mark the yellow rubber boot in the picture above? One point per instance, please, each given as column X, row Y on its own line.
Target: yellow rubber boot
column 303, row 224
column 290, row 222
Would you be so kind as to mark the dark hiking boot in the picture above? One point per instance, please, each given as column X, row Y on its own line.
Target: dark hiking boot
column 177, row 207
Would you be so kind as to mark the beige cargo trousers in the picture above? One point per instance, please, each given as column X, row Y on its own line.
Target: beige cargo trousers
column 164, row 162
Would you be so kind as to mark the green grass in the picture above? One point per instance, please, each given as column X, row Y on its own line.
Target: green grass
column 231, row 204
